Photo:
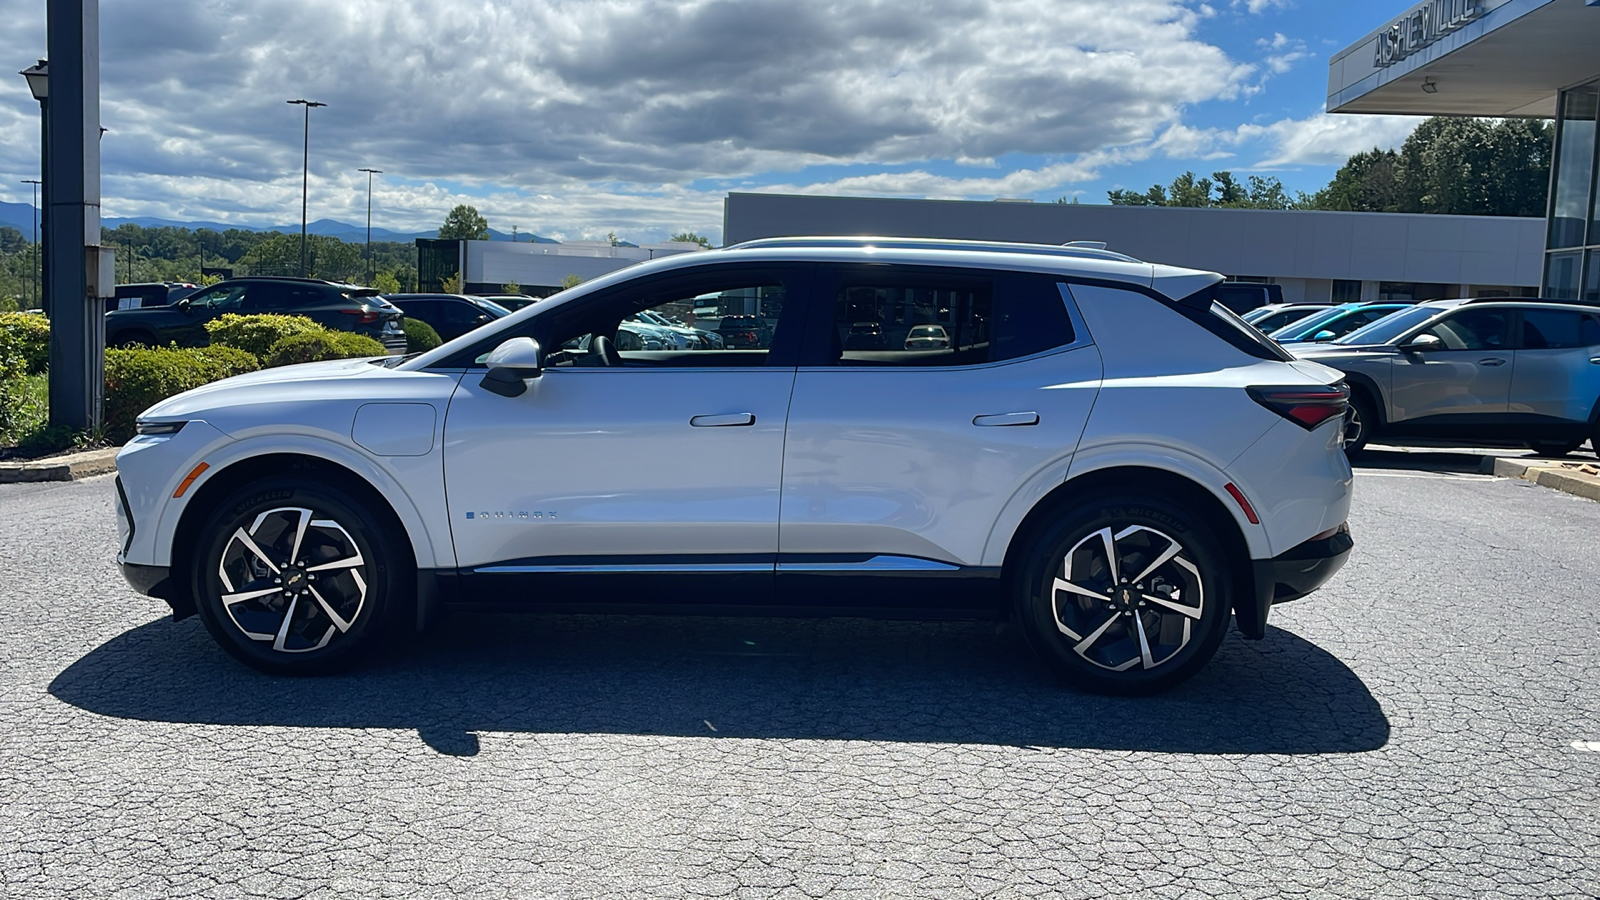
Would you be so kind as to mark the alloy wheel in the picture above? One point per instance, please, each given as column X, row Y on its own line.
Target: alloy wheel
column 293, row 580
column 1128, row 598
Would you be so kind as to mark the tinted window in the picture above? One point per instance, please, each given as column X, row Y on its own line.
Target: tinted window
column 222, row 297
column 1473, row 329
column 1553, row 330
column 945, row 319
column 1389, row 328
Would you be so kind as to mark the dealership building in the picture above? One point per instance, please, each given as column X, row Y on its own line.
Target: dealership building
column 1317, row 257
column 1506, row 58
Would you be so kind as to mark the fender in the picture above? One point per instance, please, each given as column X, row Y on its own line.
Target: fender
column 425, row 543
column 1368, row 384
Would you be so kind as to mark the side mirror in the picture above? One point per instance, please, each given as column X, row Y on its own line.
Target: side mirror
column 511, row 365
column 1323, row 337
column 1423, row 343
column 183, row 305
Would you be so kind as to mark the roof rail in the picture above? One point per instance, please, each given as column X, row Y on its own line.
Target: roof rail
column 1077, row 250
column 1529, row 300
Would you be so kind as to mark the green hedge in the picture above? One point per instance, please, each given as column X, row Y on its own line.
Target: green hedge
column 139, row 378
column 420, row 336
column 255, row 334
column 316, row 346
column 30, row 337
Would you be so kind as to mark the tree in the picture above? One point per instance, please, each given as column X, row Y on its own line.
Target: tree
column 571, row 281
column 689, row 237
column 451, row 285
column 464, row 224
column 1367, row 182
column 511, row 287
column 12, row 240
column 386, row 283
column 612, row 237
column 1193, row 191
column 326, row 257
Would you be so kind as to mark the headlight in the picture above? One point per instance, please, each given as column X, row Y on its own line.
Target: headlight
column 142, row 427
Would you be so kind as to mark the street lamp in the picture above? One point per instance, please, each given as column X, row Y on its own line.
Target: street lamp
column 38, row 76
column 305, row 178
column 370, row 173
column 35, row 182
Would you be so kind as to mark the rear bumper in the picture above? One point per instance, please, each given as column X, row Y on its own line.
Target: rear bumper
column 394, row 343
column 1293, row 575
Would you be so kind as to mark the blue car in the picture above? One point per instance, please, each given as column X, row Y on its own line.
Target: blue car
column 1336, row 322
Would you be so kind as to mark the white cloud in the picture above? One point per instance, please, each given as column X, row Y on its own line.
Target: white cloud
column 1257, row 7
column 1327, row 140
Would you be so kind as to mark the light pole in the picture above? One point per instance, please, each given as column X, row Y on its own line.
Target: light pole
column 305, row 178
column 35, row 182
column 38, row 76
column 370, row 173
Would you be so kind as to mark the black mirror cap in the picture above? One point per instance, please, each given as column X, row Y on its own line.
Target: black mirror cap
column 505, row 382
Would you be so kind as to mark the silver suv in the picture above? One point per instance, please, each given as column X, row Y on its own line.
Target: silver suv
column 1501, row 371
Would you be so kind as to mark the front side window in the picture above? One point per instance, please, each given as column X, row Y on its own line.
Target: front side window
column 222, row 298
column 945, row 318
column 1474, row 329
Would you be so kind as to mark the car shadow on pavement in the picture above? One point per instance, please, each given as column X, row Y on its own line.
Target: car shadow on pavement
column 831, row 679
column 1442, row 461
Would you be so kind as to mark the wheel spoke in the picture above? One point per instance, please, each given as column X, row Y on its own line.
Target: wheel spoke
column 1192, row 612
column 250, row 545
column 338, row 623
column 1110, row 543
column 1095, row 635
column 299, row 533
column 1160, row 561
column 288, row 619
column 1064, row 585
column 348, row 563
column 1144, row 643
column 231, row 599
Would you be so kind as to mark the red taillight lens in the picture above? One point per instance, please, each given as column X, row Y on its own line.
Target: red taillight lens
column 368, row 314
column 1306, row 407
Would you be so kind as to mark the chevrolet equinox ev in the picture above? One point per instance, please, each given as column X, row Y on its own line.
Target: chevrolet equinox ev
column 1098, row 449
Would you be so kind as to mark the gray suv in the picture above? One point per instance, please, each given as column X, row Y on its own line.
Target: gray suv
column 1490, row 370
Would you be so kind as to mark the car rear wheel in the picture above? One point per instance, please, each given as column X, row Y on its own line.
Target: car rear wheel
column 295, row 576
column 1125, row 594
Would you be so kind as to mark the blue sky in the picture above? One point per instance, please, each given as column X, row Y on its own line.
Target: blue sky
column 574, row 118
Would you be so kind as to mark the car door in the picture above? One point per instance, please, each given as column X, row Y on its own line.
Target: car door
column 1557, row 370
column 899, row 460
column 659, row 464
column 1465, row 380
column 186, row 323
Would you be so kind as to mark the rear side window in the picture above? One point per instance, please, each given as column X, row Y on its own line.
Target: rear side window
column 906, row 318
column 1556, row 330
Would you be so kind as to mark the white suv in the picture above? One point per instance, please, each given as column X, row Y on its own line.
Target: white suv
column 1097, row 449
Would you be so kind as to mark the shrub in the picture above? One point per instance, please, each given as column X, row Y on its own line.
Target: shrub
column 256, row 334
column 420, row 336
column 139, row 378
column 30, row 335
column 22, row 396
column 316, row 346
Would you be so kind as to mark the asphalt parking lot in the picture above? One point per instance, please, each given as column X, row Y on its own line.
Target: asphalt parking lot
column 1420, row 728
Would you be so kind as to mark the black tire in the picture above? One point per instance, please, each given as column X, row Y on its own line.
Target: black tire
column 1086, row 634
column 132, row 339
column 326, row 625
column 1361, row 422
column 1554, row 448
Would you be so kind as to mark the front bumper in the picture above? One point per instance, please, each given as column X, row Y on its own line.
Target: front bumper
column 151, row 581
column 1292, row 575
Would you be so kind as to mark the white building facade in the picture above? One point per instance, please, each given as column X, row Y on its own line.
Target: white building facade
column 488, row 266
column 1317, row 257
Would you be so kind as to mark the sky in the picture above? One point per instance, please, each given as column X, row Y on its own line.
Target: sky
column 577, row 118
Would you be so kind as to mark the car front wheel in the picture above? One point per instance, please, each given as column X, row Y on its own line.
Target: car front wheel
column 1125, row 594
column 296, row 576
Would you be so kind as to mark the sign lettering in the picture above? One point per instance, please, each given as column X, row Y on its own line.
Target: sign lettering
column 1422, row 27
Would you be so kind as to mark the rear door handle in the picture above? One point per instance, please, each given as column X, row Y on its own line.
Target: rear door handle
column 732, row 420
column 1594, row 360
column 1492, row 361
column 1007, row 420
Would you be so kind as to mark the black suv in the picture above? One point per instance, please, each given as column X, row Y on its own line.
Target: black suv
column 343, row 307
column 153, row 293
column 452, row 315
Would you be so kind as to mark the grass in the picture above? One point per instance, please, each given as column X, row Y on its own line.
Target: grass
column 24, row 422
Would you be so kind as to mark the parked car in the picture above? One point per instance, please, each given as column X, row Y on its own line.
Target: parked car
column 452, row 315
column 1117, row 462
column 344, row 307
column 1334, row 323
column 155, row 293
column 512, row 302
column 1268, row 319
column 1485, row 371
column 865, row 336
column 744, row 332
column 927, row 337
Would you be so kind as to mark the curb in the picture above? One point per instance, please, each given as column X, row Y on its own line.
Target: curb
column 70, row 467
column 1545, row 474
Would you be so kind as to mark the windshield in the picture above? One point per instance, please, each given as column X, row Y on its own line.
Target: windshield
column 499, row 311
column 1309, row 325
column 1389, row 328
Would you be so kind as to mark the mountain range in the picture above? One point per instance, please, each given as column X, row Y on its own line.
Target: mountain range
column 20, row 217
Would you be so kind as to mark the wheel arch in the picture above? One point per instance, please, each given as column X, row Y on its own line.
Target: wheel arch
column 1367, row 385
column 1250, row 615
column 210, row 492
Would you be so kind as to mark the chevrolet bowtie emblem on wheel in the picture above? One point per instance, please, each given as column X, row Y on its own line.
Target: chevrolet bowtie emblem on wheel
column 520, row 516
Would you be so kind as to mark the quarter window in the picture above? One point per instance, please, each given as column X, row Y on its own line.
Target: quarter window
column 1553, row 330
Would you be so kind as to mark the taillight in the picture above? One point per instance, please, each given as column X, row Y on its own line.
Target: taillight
column 368, row 314
column 1306, row 407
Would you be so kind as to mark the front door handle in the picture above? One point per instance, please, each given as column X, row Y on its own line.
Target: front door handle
column 1492, row 361
column 1007, row 420
column 733, row 420
column 1594, row 360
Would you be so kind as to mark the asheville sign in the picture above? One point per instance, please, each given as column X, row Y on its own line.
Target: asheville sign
column 1424, row 26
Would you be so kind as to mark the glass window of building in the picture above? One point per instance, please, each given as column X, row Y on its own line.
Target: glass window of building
column 1570, row 204
column 1346, row 291
column 1561, row 276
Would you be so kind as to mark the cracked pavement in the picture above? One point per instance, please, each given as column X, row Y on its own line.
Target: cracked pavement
column 1415, row 729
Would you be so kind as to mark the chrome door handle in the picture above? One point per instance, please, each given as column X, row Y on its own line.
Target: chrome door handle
column 732, row 420
column 1007, row 420
column 1594, row 360
column 1492, row 361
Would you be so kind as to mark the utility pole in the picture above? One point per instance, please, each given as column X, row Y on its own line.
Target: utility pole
column 305, row 178
column 35, row 182
column 370, row 173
